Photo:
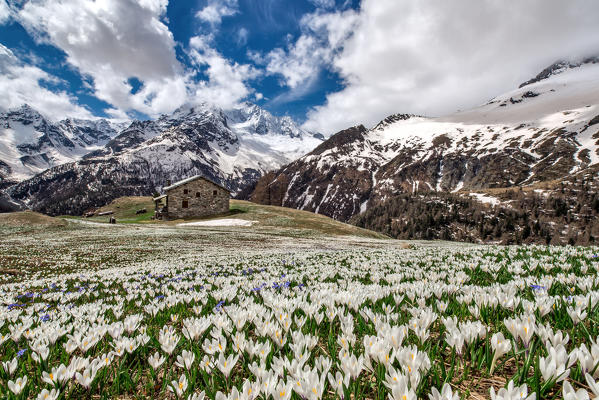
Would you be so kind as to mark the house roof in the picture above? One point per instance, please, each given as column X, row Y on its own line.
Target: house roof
column 191, row 179
column 159, row 197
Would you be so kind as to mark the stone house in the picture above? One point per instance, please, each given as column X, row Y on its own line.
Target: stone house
column 192, row 197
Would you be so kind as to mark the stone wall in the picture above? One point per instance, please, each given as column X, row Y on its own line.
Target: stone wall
column 203, row 197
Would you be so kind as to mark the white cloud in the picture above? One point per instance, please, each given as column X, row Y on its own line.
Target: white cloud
column 227, row 82
column 4, row 12
column 112, row 41
column 297, row 92
column 436, row 57
column 323, row 3
column 300, row 63
column 242, row 37
column 216, row 10
column 22, row 84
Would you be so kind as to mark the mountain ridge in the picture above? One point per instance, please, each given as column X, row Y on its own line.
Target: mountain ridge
column 538, row 133
column 233, row 148
column 30, row 143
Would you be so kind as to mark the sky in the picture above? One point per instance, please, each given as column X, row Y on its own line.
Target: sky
column 329, row 64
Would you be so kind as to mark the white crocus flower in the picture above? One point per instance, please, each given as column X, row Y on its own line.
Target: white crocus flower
column 56, row 375
column 512, row 393
column 225, row 365
column 313, row 385
column 17, row 386
column 179, row 387
column 557, row 338
column 577, row 314
column 339, row 382
column 10, row 366
column 500, row 347
column 401, row 392
column 446, row 393
column 593, row 385
column 282, row 391
column 527, row 330
column 197, row 396
column 556, row 365
column 105, row 359
column 250, row 390
column 455, row 340
column 168, row 339
column 218, row 344
column 352, row 365
column 156, row 360
column 185, row 360
column 86, row 378
column 40, row 354
column 394, row 377
column 48, row 395
column 570, row 394
column 442, row 306
column 207, row 363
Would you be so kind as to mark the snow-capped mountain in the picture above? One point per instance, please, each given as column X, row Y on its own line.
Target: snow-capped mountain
column 30, row 143
column 233, row 148
column 545, row 131
column 241, row 138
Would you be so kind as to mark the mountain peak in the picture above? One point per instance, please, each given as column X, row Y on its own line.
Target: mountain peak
column 391, row 119
column 558, row 67
column 24, row 110
column 25, row 114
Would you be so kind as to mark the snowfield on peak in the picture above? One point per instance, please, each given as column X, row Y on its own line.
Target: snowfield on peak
column 572, row 88
column 30, row 143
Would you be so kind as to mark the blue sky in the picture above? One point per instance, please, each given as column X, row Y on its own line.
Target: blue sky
column 329, row 64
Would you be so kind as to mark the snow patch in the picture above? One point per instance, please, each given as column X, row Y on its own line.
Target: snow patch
column 458, row 187
column 484, row 198
column 220, row 222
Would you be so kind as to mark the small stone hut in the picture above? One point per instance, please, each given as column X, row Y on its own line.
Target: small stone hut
column 192, row 197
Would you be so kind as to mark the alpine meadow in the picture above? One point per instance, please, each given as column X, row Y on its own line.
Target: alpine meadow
column 299, row 200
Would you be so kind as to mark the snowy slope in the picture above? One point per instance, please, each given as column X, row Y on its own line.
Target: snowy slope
column 247, row 137
column 30, row 144
column 543, row 131
column 236, row 145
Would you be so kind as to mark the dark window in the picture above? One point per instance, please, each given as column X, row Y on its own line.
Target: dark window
column 185, row 191
column 214, row 192
column 198, row 194
column 185, row 204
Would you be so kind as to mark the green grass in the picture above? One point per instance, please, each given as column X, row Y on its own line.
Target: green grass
column 266, row 219
column 125, row 209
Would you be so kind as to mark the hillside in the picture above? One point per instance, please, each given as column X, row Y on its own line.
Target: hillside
column 545, row 131
column 264, row 219
column 29, row 219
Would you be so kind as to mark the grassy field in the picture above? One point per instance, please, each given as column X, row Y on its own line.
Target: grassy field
column 273, row 219
column 30, row 219
column 34, row 245
column 291, row 308
column 124, row 209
